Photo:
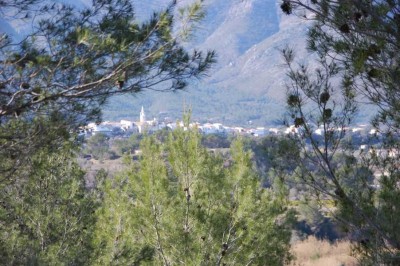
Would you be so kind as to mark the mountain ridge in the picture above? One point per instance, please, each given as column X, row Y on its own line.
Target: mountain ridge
column 248, row 83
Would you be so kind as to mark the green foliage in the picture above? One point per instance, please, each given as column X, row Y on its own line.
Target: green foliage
column 123, row 146
column 92, row 53
column 355, row 41
column 46, row 212
column 364, row 35
column 182, row 206
column 228, row 105
column 78, row 58
column 275, row 156
column 55, row 80
column 98, row 146
column 215, row 141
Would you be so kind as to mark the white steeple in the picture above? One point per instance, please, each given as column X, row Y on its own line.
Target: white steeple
column 142, row 116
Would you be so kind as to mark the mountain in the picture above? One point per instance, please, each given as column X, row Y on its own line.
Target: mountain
column 248, row 82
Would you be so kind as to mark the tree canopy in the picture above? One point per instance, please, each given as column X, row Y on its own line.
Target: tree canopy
column 356, row 46
column 184, row 205
column 55, row 79
column 76, row 58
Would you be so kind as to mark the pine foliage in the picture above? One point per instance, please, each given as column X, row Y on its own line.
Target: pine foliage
column 183, row 205
column 356, row 45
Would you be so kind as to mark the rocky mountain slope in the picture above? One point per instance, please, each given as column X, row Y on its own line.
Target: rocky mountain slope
column 247, row 83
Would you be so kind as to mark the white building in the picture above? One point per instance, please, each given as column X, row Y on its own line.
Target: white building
column 142, row 118
column 94, row 129
column 292, row 130
column 144, row 125
column 259, row 132
column 127, row 125
column 215, row 128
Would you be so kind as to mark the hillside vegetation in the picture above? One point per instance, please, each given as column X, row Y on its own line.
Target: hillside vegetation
column 248, row 81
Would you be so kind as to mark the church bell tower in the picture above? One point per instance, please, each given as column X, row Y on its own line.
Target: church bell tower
column 142, row 116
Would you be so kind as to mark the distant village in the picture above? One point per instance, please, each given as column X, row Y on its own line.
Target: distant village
column 128, row 127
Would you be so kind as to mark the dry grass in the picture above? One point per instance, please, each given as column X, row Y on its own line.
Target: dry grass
column 313, row 252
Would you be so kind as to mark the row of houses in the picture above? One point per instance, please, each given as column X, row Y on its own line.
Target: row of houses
column 134, row 127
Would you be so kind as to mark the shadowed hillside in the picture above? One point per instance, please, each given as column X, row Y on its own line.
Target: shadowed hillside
column 247, row 83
